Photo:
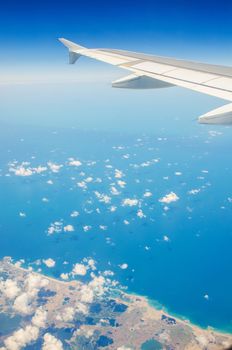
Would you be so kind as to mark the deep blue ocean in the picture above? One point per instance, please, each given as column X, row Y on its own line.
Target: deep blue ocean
column 178, row 254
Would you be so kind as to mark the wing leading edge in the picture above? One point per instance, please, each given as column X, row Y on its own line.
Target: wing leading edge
column 158, row 72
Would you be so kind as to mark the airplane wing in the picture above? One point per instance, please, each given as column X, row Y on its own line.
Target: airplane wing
column 148, row 71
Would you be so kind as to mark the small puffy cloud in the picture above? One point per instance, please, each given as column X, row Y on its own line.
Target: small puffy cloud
column 194, row 191
column 55, row 227
column 34, row 283
column 171, row 197
column 87, row 228
column 22, row 304
column 74, row 162
column 102, row 197
column 21, row 171
column 67, row 314
column 45, row 200
column 121, row 183
column 130, row 202
column 166, row 238
column 118, row 174
column 68, row 228
column 147, row 194
column 113, row 208
column 123, row 266
column 22, row 338
column 103, row 227
column 74, row 214
column 22, row 214
column 49, row 262
column 79, row 269
column 89, row 179
column 64, row 276
column 82, row 184
column 86, row 294
column 55, row 168
column 81, row 308
column 51, row 343
column 140, row 214
column 9, row 288
column 206, row 296
column 50, row 182
column 178, row 173
column 126, row 222
column 114, row 191
column 40, row 318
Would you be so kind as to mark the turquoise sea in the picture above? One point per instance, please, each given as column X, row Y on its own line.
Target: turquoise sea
column 177, row 253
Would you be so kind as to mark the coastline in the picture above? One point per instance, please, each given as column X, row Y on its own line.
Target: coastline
column 141, row 319
column 157, row 306
column 152, row 303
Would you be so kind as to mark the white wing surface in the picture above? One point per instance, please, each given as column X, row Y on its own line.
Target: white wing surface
column 148, row 71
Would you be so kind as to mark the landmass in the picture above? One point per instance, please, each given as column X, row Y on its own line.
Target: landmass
column 40, row 312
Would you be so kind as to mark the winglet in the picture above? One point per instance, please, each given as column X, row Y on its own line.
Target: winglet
column 74, row 50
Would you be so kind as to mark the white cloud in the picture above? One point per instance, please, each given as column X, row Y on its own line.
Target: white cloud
column 55, row 227
column 51, row 343
column 87, row 228
column 81, row 184
column 21, row 338
column 118, row 174
column 49, row 262
column 123, row 266
column 22, row 304
column 121, row 183
column 68, row 228
column 102, row 197
column 89, row 179
column 82, row 308
column 55, row 168
column 103, row 227
column 147, row 194
column 74, row 214
column 64, row 276
column 171, row 197
column 79, row 269
column 86, row 294
column 166, row 238
column 40, row 318
column 130, row 202
column 114, row 191
column 21, row 170
column 140, row 214
column 194, row 191
column 74, row 162
column 67, row 314
column 9, row 288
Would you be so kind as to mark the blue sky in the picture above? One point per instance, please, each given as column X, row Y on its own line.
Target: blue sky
column 199, row 30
